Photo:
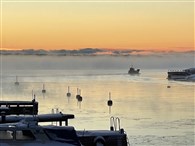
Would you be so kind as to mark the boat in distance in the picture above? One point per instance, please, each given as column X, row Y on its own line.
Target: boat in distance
column 23, row 129
column 186, row 74
column 133, row 71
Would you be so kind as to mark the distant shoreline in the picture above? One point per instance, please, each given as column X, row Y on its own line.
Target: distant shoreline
column 92, row 52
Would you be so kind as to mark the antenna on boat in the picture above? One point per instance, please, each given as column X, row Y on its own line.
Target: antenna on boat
column 109, row 103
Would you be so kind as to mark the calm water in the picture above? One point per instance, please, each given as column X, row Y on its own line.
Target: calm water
column 150, row 113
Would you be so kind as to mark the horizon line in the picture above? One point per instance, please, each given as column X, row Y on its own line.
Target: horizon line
column 94, row 52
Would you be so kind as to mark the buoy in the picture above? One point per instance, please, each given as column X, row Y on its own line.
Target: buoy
column 109, row 103
column 52, row 111
column 43, row 91
column 57, row 110
column 16, row 83
column 80, row 98
column 77, row 96
column 68, row 93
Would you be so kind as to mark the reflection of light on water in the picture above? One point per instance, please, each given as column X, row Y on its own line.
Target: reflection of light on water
column 140, row 102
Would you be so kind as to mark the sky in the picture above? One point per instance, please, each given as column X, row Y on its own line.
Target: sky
column 140, row 25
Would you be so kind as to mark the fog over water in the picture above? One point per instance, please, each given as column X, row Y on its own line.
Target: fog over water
column 150, row 112
column 31, row 62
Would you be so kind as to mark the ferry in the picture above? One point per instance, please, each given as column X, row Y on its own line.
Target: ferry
column 186, row 74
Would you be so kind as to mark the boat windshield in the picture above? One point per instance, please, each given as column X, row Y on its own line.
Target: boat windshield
column 16, row 135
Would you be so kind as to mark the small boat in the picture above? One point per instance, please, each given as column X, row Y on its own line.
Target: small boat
column 133, row 71
column 19, row 129
column 185, row 74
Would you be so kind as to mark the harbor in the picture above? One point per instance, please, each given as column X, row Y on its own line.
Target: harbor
column 141, row 102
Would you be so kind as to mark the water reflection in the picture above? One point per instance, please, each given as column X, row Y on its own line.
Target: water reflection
column 145, row 107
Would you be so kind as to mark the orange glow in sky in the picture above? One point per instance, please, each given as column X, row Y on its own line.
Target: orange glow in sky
column 121, row 25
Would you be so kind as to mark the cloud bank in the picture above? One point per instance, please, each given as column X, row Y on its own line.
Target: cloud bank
column 93, row 52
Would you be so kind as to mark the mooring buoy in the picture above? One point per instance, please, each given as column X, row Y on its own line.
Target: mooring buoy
column 109, row 103
column 68, row 94
column 16, row 82
column 43, row 91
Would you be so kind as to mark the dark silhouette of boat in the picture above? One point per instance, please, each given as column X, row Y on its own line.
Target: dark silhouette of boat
column 181, row 74
column 133, row 71
column 22, row 128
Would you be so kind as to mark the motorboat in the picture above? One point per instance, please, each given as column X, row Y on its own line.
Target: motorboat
column 186, row 74
column 19, row 129
column 19, row 125
column 28, row 133
column 133, row 71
